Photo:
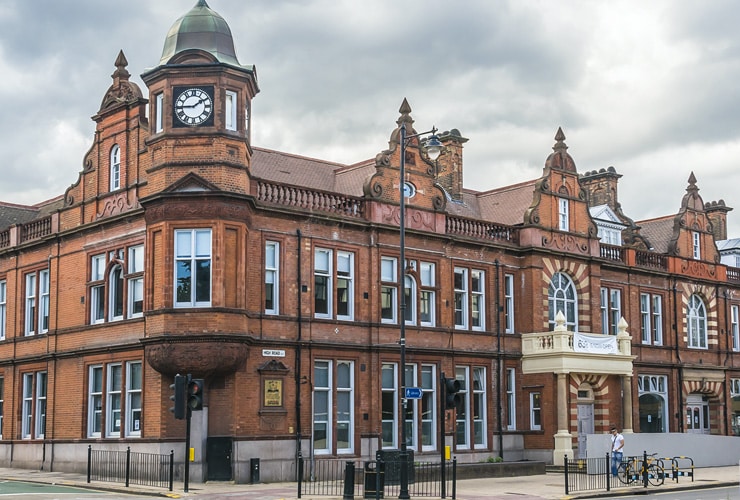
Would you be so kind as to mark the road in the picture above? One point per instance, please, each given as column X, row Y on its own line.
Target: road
column 724, row 493
column 19, row 490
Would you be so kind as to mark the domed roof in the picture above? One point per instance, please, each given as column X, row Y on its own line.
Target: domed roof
column 201, row 29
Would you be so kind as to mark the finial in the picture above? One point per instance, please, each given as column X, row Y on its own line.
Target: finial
column 405, row 117
column 121, row 73
column 560, row 138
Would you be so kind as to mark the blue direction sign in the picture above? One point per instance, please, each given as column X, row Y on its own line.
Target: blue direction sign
column 413, row 393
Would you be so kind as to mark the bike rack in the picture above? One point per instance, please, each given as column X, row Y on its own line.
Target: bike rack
column 676, row 470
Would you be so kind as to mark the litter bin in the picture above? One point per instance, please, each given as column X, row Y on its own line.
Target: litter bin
column 391, row 460
column 374, row 480
column 254, row 470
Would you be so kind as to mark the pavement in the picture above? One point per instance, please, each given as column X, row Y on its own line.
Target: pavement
column 542, row 486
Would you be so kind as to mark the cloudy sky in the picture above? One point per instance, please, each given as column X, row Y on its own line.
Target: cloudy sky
column 650, row 88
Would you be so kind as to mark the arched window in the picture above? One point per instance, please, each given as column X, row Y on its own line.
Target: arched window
column 697, row 322
column 115, row 168
column 561, row 296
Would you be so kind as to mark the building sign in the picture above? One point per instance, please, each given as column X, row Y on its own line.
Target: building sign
column 273, row 353
column 273, row 393
column 605, row 344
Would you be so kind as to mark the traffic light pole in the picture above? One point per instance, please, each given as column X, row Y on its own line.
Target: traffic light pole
column 442, row 414
column 187, row 448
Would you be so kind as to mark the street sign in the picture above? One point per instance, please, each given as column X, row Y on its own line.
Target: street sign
column 413, row 393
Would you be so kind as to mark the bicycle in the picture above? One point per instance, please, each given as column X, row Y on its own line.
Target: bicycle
column 631, row 470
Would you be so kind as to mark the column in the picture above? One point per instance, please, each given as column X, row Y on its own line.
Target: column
column 563, row 438
column 627, row 404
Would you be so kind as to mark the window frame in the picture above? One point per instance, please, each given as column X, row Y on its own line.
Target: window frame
column 272, row 271
column 95, row 395
column 565, row 300
column 334, row 394
column 511, row 399
column 696, row 323
column 427, row 293
column 479, row 415
column 230, row 111
column 696, row 245
column 535, row 411
column 611, row 310
column 389, row 289
column 735, row 327
column 113, row 400
column 132, row 393
column 37, row 298
column 3, row 312
column 158, row 112
column 134, row 277
column 34, row 388
column 462, row 415
column 389, row 405
column 193, row 258
column 115, row 168
column 563, row 214
column 509, row 310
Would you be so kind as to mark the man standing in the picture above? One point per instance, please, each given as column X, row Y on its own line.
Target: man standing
column 617, row 446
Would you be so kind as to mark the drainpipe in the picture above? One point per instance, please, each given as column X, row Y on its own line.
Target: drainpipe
column 498, row 361
column 679, row 397
column 298, row 355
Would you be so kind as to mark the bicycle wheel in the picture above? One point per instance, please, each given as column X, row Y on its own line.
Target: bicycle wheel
column 656, row 474
column 624, row 473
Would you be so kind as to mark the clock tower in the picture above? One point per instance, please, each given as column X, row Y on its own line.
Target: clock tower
column 199, row 107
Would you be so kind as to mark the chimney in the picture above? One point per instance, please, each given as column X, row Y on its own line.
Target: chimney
column 450, row 163
column 717, row 213
column 601, row 187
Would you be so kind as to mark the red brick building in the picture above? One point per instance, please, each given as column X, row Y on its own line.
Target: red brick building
column 184, row 248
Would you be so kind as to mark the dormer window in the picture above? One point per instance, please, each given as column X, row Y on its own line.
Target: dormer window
column 115, row 168
column 697, row 245
column 563, row 214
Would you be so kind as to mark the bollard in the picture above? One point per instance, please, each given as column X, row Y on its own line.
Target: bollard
column 349, row 480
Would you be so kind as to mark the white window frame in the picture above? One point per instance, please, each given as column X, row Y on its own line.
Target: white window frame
column 346, row 274
column 480, row 402
column 657, row 385
column 696, row 239
column 115, row 168
column 327, row 410
column 134, row 399
column 113, row 400
column 389, row 288
column 40, row 405
column 477, row 300
column 428, row 295
column 3, row 312
column 563, row 214
column 345, row 395
column 696, row 322
column 30, row 322
column 27, row 417
column 409, row 291
column 2, row 404
column 461, row 284
column 95, row 401
column 135, row 281
column 511, row 398
column 735, row 332
column 462, row 415
column 389, row 392
column 115, row 293
column 509, row 303
column 230, row 111
column 611, row 310
column 323, row 270
column 428, row 403
column 535, row 411
column 563, row 296
column 411, row 420
column 44, row 301
column 272, row 277
column 195, row 246
column 657, row 319
column 97, row 291
column 159, row 113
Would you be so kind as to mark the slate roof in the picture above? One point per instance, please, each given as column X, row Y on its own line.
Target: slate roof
column 658, row 232
column 12, row 214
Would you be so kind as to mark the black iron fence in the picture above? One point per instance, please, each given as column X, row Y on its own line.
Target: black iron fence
column 375, row 478
column 642, row 470
column 130, row 467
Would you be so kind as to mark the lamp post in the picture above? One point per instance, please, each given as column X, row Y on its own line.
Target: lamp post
column 433, row 149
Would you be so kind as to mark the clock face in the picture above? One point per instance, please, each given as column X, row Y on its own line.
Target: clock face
column 409, row 190
column 194, row 106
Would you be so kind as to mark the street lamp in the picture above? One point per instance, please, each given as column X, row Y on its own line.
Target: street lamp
column 433, row 148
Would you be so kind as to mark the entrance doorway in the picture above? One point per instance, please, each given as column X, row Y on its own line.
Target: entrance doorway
column 218, row 451
column 585, row 426
column 697, row 414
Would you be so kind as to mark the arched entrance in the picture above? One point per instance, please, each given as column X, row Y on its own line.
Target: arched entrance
column 652, row 409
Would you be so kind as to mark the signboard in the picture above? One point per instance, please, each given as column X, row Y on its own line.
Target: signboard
column 602, row 344
column 413, row 393
column 273, row 353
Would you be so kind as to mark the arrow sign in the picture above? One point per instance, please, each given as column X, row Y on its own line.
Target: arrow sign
column 413, row 393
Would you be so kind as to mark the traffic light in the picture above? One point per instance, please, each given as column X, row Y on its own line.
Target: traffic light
column 178, row 396
column 452, row 398
column 195, row 394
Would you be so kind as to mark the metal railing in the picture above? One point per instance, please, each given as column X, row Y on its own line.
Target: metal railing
column 147, row 469
column 374, row 478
